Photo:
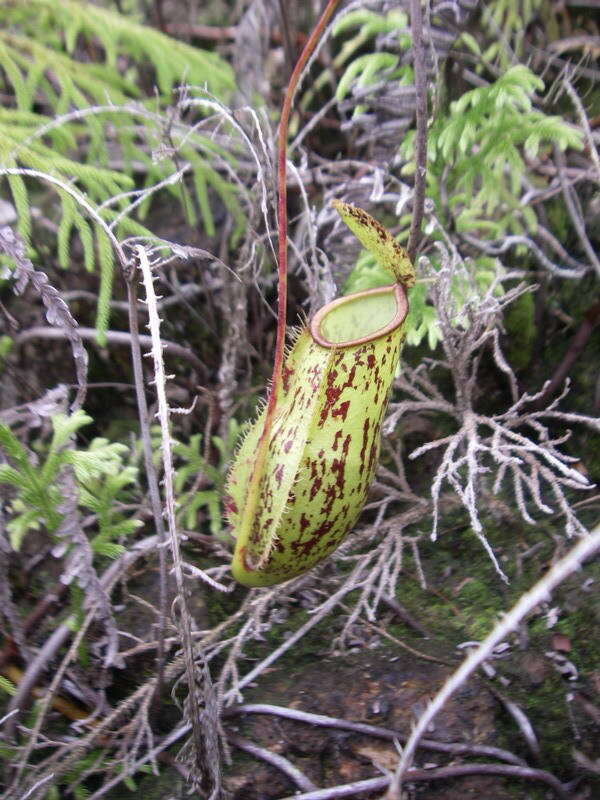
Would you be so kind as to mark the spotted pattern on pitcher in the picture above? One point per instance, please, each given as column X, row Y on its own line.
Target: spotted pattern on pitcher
column 322, row 457
column 300, row 481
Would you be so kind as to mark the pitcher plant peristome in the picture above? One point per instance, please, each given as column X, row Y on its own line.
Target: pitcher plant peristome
column 301, row 476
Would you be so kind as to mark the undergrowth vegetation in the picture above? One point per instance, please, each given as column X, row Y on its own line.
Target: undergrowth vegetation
column 91, row 92
column 126, row 135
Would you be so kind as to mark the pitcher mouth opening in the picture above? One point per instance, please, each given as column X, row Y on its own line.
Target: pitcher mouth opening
column 360, row 317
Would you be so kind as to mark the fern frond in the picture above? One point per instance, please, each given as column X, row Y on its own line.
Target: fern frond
column 118, row 35
column 364, row 71
column 94, row 113
column 13, row 448
column 79, row 83
column 67, row 426
column 103, row 481
column 511, row 16
column 106, row 262
column 482, row 143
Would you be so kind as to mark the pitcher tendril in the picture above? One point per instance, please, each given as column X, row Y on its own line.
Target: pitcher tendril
column 302, row 475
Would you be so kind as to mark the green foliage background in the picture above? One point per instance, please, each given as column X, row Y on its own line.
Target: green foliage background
column 77, row 72
column 98, row 134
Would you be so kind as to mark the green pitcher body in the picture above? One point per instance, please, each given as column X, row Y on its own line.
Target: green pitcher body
column 323, row 444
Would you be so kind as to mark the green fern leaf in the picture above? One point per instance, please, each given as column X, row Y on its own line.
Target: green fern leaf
column 65, row 426
column 87, row 240
column 63, row 237
column 15, row 77
column 13, row 447
column 10, row 475
column 7, row 686
column 109, row 549
column 202, row 198
column 106, row 262
column 365, row 68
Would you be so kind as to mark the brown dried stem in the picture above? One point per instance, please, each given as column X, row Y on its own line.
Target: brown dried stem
column 442, row 773
column 416, row 25
column 275, row 759
column 309, row 47
column 151, row 476
column 322, row 720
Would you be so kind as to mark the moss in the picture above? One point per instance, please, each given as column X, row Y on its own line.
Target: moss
column 550, row 721
column 519, row 320
column 221, row 605
column 151, row 787
column 481, row 607
column 557, row 219
column 314, row 643
column 579, row 619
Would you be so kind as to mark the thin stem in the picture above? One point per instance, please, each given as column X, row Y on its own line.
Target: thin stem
column 316, row 616
column 252, row 493
column 151, row 477
column 275, row 759
column 203, row 736
column 574, row 209
column 416, row 25
column 112, row 337
column 36, row 786
column 453, row 748
column 79, row 199
column 61, row 634
column 441, row 774
column 308, row 50
column 285, row 33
